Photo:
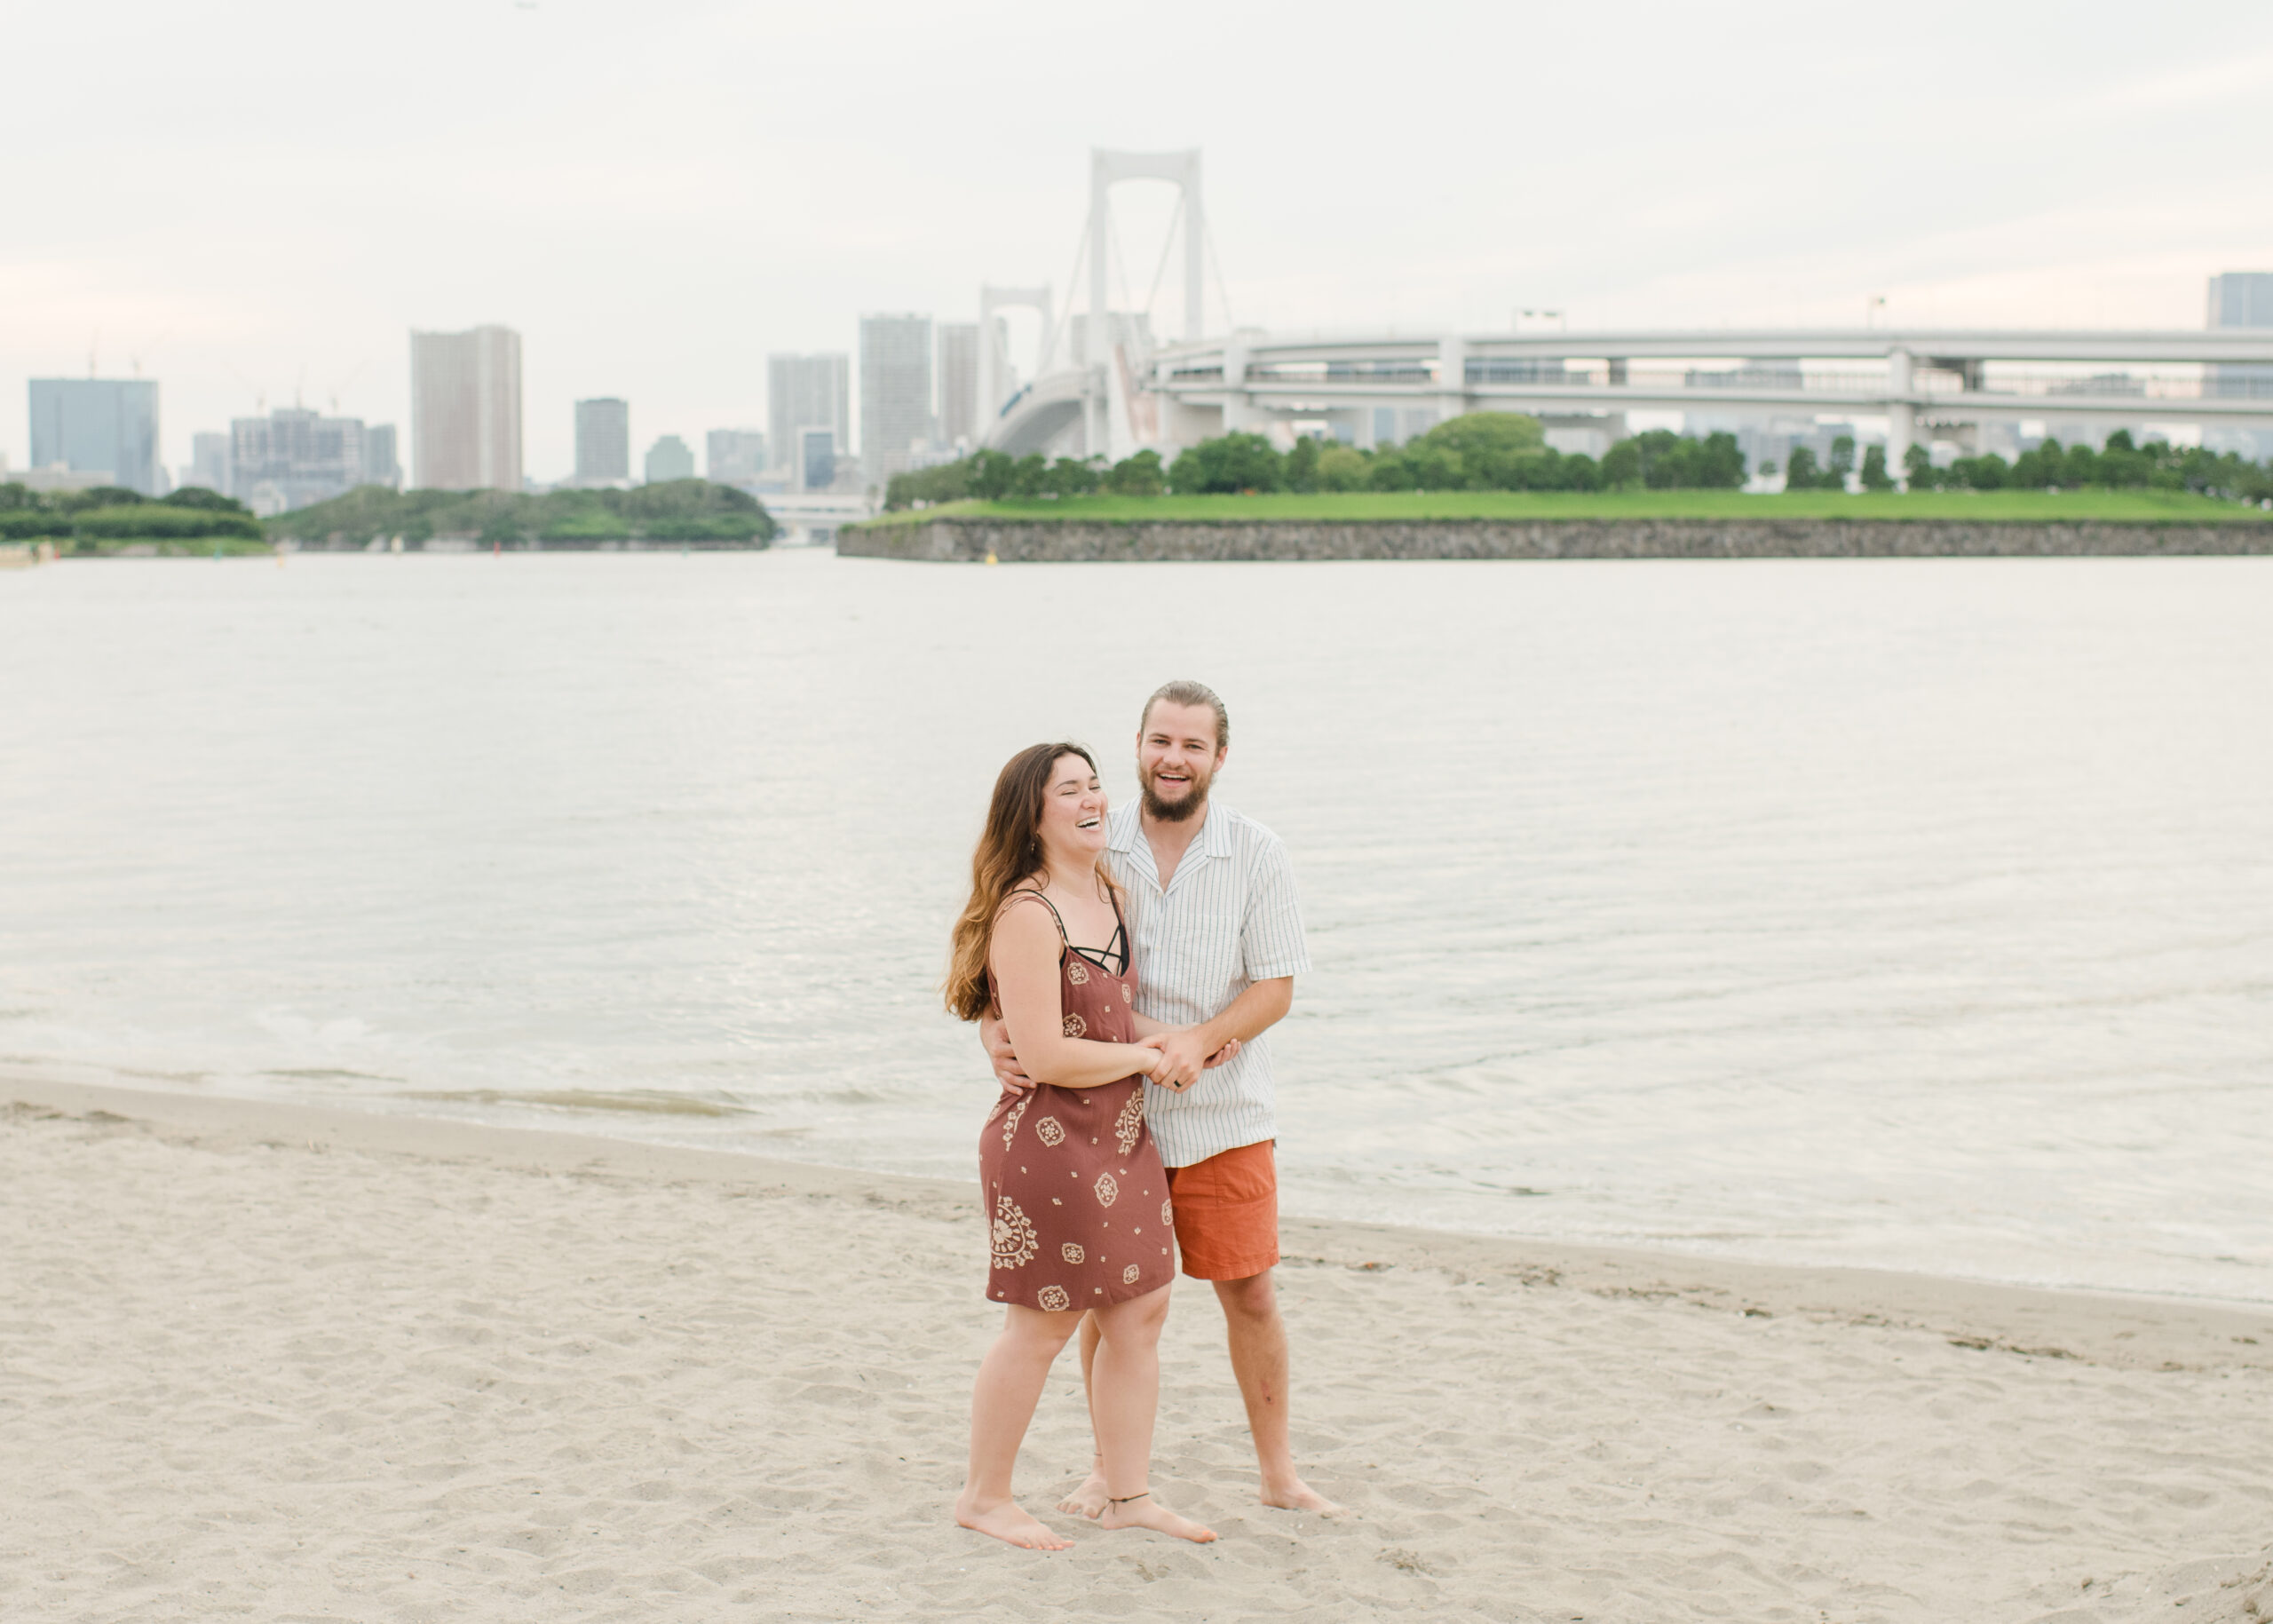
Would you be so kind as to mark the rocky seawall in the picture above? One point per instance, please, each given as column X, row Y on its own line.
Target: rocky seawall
column 964, row 541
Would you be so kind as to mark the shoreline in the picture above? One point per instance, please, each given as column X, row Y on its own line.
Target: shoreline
column 2123, row 1329
column 1074, row 540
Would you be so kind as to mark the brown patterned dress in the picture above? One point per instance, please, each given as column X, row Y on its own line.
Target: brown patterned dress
column 1078, row 1200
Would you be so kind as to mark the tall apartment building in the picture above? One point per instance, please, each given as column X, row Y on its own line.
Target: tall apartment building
column 602, row 442
column 958, row 373
column 295, row 456
column 98, row 426
column 895, row 392
column 806, row 391
column 465, row 410
column 733, row 457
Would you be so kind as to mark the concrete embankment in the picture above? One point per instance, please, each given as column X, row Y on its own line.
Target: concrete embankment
column 950, row 541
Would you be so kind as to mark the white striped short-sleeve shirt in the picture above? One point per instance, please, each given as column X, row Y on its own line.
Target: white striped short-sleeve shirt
column 1228, row 918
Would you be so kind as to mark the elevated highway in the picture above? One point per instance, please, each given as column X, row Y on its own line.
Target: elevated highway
column 1908, row 376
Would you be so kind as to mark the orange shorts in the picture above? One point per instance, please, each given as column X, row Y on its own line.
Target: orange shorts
column 1227, row 1213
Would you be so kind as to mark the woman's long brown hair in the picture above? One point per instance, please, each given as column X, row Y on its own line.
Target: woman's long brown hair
column 1008, row 852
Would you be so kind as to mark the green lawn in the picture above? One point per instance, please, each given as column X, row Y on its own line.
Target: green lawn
column 2132, row 507
column 172, row 547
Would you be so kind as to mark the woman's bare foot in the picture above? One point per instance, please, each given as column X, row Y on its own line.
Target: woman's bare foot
column 1295, row 1495
column 1149, row 1513
column 1007, row 1522
column 1089, row 1499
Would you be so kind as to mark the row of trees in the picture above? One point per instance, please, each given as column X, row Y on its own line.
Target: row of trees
column 672, row 511
column 113, row 512
column 1479, row 451
column 2118, row 465
column 1802, row 473
column 993, row 476
column 668, row 511
column 1507, row 451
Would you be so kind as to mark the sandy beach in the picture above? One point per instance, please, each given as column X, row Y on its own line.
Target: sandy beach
column 271, row 1362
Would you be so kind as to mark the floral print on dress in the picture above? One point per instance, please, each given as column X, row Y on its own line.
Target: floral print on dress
column 1131, row 1123
column 1093, row 1142
column 1013, row 1235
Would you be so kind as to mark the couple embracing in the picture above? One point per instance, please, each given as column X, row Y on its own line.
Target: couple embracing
column 1122, row 966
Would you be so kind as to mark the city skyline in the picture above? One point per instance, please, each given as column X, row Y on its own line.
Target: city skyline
column 1698, row 174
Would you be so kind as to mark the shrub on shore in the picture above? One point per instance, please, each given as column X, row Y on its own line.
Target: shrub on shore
column 112, row 513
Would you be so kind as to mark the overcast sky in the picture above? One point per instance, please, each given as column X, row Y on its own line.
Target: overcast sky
column 256, row 200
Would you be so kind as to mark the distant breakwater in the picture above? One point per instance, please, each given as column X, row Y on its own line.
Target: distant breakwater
column 967, row 541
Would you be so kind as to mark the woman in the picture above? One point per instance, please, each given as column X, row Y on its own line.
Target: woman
column 1074, row 1191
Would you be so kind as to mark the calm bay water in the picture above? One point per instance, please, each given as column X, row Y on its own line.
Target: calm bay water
column 1912, row 914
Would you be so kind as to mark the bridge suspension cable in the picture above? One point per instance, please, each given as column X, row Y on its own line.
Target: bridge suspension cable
column 1049, row 340
column 1223, row 293
column 1168, row 243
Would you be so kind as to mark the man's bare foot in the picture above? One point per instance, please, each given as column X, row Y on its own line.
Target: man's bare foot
column 1089, row 1499
column 1007, row 1522
column 1295, row 1495
column 1149, row 1513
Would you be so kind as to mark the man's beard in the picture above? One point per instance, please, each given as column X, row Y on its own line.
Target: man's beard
column 1176, row 812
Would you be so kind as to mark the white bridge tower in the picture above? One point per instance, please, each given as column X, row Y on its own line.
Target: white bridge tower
column 1090, row 384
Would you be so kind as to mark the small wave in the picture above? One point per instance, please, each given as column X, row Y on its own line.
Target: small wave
column 588, row 1099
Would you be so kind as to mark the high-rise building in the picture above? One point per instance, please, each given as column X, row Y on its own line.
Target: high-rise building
column 895, row 390
column 959, row 383
column 2241, row 298
column 816, row 459
column 806, row 391
column 302, row 456
column 602, row 442
column 465, row 410
column 209, row 461
column 733, row 457
column 98, row 426
column 670, row 458
column 380, row 464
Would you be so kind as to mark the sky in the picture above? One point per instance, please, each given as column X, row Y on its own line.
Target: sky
column 256, row 202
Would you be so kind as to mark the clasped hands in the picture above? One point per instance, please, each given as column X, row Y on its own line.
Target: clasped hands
column 1180, row 1061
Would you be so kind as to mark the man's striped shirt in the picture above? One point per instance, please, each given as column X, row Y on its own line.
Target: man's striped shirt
column 1228, row 919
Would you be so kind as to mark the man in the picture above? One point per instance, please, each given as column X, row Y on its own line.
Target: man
column 1217, row 933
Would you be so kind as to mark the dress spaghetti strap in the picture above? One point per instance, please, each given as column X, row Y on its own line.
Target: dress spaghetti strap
column 1064, row 940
